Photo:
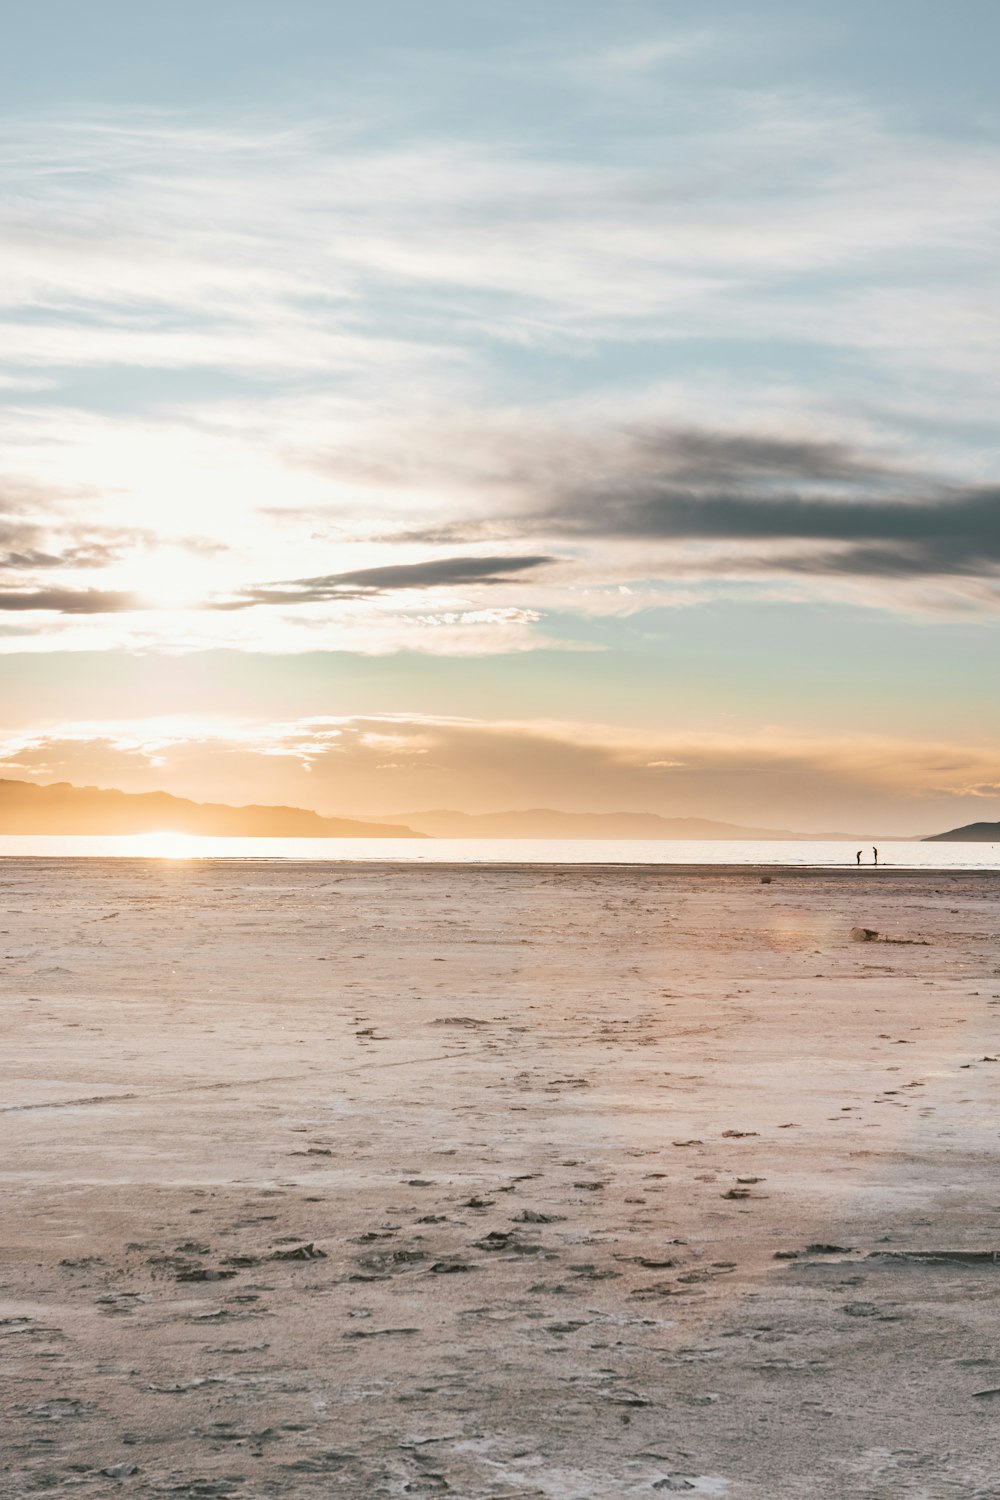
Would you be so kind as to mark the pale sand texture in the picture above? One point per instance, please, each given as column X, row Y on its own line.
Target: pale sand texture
column 208, row 1064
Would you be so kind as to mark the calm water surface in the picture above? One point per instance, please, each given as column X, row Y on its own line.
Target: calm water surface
column 893, row 854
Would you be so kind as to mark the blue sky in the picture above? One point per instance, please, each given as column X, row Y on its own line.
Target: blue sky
column 614, row 384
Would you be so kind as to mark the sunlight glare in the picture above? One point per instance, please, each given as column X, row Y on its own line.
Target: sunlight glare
column 169, row 577
column 167, row 844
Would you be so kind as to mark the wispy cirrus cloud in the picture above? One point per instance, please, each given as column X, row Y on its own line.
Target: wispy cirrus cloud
column 276, row 247
column 266, row 306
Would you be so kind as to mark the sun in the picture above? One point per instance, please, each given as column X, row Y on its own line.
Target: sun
column 170, row 577
column 167, row 844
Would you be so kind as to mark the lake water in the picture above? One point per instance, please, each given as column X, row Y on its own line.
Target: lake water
column 893, row 854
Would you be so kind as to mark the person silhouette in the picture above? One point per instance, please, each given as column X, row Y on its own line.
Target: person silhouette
column 859, row 856
column 875, row 853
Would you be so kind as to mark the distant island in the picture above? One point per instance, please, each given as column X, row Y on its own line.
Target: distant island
column 60, row 808
column 972, row 833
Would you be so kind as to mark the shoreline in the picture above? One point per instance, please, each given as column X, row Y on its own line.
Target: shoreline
column 775, row 872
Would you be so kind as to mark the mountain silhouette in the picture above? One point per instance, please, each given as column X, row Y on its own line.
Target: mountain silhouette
column 547, row 823
column 60, row 808
column 971, row 833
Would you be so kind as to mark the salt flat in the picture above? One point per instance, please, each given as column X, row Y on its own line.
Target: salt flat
column 341, row 1180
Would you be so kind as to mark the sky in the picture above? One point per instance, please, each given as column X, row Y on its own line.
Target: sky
column 503, row 405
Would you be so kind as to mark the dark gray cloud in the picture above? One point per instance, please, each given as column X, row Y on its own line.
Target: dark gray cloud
column 364, row 583
column 702, row 458
column 67, row 601
column 951, row 534
column 434, row 572
column 813, row 507
column 792, row 504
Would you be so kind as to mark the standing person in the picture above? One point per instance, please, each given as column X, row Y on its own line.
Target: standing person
column 859, row 856
column 875, row 852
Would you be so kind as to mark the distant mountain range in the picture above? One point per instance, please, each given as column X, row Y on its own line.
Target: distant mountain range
column 545, row 823
column 60, row 808
column 972, row 833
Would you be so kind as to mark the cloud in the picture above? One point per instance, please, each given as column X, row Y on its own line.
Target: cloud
column 524, row 456
column 264, row 306
column 648, row 54
column 42, row 527
column 707, row 458
column 752, row 503
column 68, row 601
column 31, row 560
column 366, row 583
column 18, row 530
column 953, row 534
column 721, row 232
column 87, row 555
column 391, row 764
column 369, row 627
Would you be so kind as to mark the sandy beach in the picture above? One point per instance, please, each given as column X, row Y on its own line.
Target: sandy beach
column 331, row 1180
